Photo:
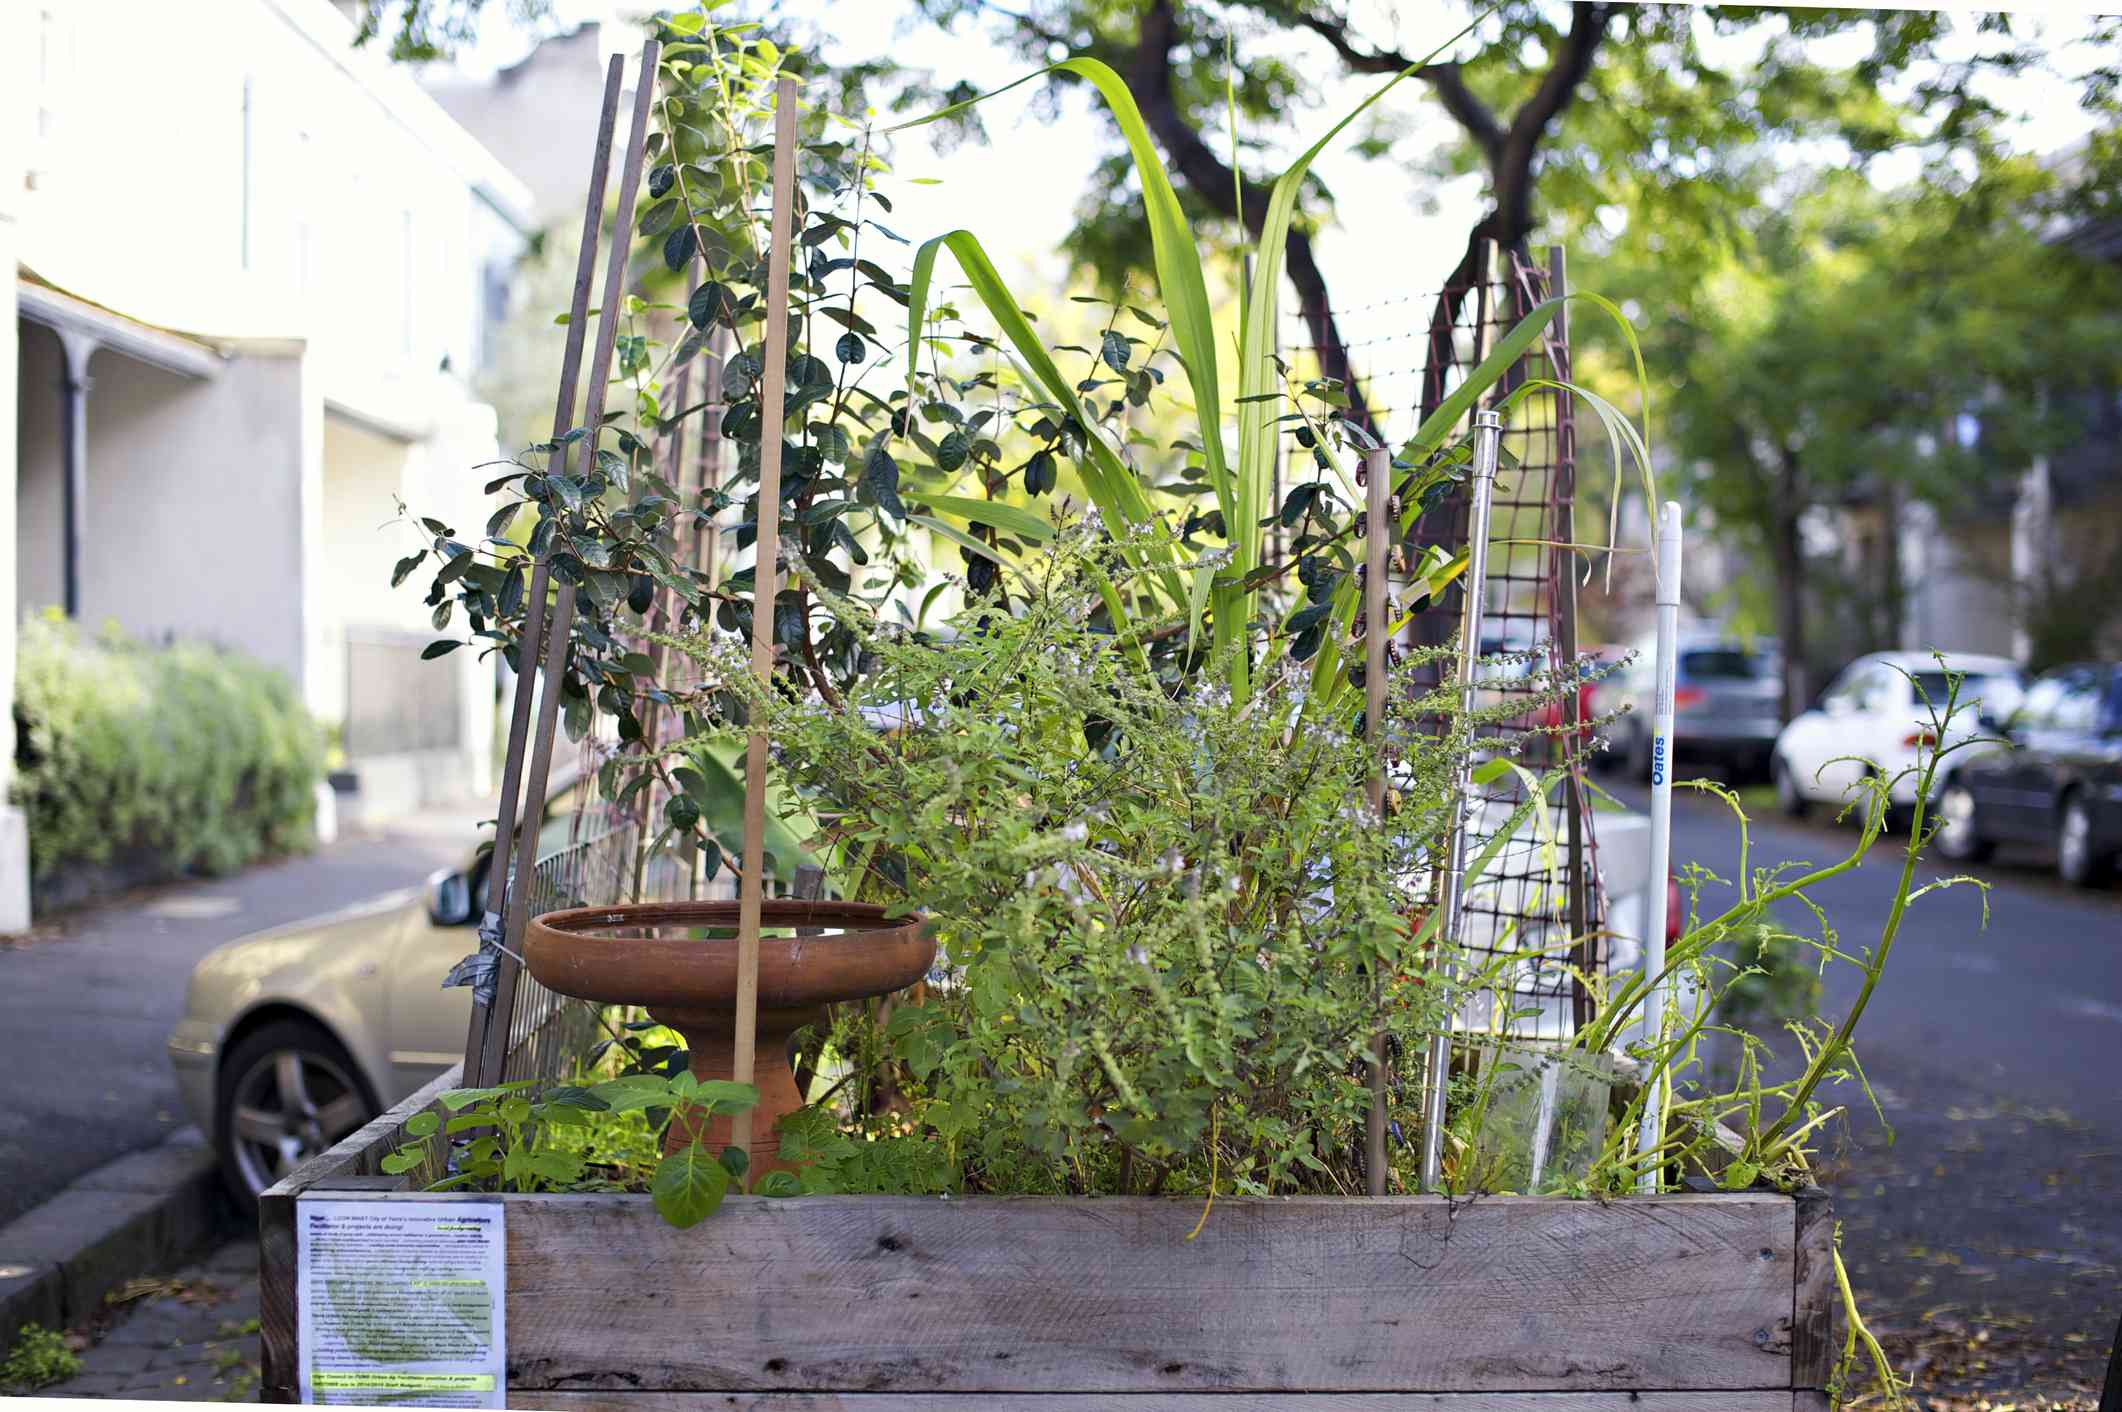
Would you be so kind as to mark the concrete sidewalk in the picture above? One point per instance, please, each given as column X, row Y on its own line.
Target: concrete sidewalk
column 87, row 1000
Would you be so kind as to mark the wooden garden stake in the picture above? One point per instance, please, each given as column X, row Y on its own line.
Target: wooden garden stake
column 766, row 580
column 491, row 927
column 495, row 1038
column 1481, row 486
column 1378, row 522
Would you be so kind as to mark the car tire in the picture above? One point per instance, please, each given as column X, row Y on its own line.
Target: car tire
column 1959, row 832
column 2077, row 863
column 284, row 1092
column 1788, row 796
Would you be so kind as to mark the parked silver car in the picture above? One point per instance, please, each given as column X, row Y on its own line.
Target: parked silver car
column 293, row 1038
column 1727, row 703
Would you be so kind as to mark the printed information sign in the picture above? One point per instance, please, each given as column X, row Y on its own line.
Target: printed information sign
column 402, row 1302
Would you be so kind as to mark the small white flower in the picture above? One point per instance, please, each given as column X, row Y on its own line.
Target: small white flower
column 1076, row 832
column 1137, row 955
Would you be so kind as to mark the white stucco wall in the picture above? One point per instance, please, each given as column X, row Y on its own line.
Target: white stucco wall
column 194, row 499
column 35, row 507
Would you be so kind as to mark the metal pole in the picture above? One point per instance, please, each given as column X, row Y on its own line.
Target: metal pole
column 75, row 350
column 1661, row 824
column 1488, row 442
column 1563, row 584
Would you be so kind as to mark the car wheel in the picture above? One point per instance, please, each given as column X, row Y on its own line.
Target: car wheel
column 287, row 1091
column 1788, row 797
column 1959, row 834
column 2076, row 862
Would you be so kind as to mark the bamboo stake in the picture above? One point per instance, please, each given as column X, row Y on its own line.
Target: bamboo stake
column 1378, row 524
column 491, row 929
column 516, row 917
column 1488, row 440
column 766, row 579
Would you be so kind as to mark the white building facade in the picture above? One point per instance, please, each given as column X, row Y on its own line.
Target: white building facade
column 256, row 271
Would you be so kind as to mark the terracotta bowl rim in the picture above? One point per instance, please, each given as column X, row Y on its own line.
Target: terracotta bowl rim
column 847, row 923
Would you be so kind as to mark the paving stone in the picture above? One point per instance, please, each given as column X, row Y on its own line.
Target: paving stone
column 151, row 1342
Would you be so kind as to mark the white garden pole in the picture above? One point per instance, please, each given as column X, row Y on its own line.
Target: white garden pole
column 1661, row 821
column 1488, row 442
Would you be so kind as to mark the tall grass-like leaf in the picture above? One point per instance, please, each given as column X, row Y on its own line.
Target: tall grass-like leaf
column 1176, row 255
column 1113, row 486
column 1257, row 375
column 1012, row 519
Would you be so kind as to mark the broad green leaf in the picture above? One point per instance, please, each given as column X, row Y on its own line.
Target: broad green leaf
column 688, row 1186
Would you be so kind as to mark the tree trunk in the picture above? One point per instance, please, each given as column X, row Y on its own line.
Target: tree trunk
column 1786, row 550
column 1893, row 598
column 1209, row 177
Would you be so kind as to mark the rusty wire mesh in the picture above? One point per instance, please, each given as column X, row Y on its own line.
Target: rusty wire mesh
column 1540, row 891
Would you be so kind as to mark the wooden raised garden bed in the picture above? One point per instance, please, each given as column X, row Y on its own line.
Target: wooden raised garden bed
column 1685, row 1303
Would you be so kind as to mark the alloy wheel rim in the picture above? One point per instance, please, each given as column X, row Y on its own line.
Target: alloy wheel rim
column 289, row 1106
column 1956, row 815
column 2072, row 844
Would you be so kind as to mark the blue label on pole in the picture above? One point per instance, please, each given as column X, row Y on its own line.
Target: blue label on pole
column 1657, row 760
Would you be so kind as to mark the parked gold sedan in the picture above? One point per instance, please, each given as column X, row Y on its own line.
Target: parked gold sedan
column 294, row 1037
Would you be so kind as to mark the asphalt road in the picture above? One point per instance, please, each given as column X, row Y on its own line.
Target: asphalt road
column 1985, row 1232
column 87, row 1001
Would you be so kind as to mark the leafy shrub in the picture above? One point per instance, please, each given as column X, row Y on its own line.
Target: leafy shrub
column 1168, row 918
column 201, row 758
column 39, row 1358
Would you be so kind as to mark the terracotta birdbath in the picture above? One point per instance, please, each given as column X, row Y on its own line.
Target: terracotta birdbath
column 679, row 959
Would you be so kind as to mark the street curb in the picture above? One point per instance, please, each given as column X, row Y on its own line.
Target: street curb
column 142, row 1213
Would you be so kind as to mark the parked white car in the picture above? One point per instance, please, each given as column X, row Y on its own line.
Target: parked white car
column 1873, row 718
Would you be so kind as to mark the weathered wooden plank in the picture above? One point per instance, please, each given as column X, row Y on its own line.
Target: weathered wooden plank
column 995, row 1295
column 1814, row 1295
column 276, row 1294
column 1032, row 1295
column 1774, row 1400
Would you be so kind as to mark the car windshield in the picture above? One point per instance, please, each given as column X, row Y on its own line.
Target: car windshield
column 1720, row 664
column 1933, row 687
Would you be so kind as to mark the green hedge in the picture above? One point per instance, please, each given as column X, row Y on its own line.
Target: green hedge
column 195, row 759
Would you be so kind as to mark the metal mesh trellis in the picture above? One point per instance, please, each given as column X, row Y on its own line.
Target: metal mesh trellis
column 1540, row 891
column 548, row 1032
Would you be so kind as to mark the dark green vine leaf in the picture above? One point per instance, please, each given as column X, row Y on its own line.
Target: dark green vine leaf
column 441, row 648
column 512, row 591
column 880, row 480
column 1114, row 349
column 710, row 303
column 850, row 348
column 657, row 217
column 678, row 248
column 1040, row 474
column 405, row 567
column 951, row 451
column 660, row 180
